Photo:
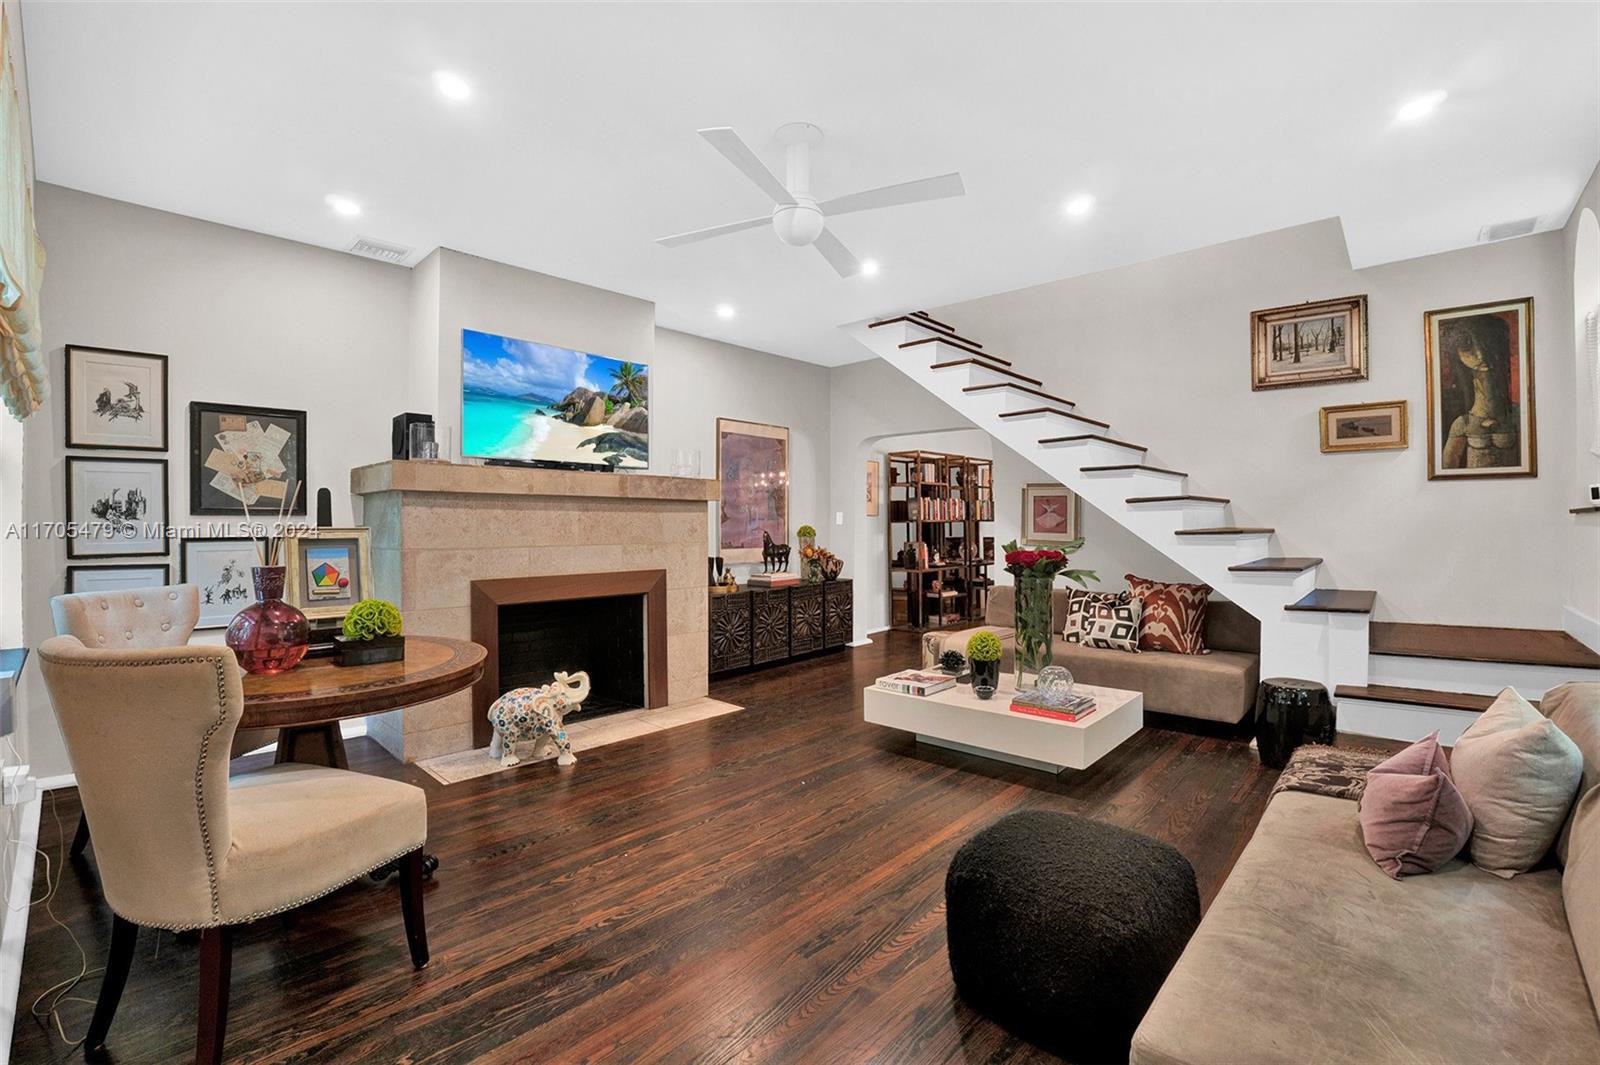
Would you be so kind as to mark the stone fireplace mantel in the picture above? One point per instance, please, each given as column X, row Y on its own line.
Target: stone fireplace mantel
column 438, row 527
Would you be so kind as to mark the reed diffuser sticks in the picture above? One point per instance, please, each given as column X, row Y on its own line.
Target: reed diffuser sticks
column 269, row 549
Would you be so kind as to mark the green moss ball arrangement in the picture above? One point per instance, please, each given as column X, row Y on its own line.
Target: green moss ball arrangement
column 371, row 619
column 805, row 530
column 984, row 647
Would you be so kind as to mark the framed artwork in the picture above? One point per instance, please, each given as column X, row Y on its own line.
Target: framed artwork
column 245, row 456
column 1480, row 391
column 117, row 578
column 874, row 490
column 220, row 567
column 116, row 507
column 330, row 570
column 1049, row 514
column 116, row 399
column 1365, row 427
column 1309, row 344
column 753, row 468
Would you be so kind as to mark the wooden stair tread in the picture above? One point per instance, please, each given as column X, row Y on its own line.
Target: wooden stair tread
column 1276, row 564
column 1476, row 643
column 925, row 316
column 1019, row 388
column 1227, row 530
column 1176, row 499
column 923, row 323
column 984, row 364
column 1093, row 436
column 1467, row 701
column 1130, row 466
column 1336, row 601
column 1058, row 412
column 951, row 341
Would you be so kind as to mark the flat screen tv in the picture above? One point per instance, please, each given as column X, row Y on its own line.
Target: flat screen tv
column 539, row 404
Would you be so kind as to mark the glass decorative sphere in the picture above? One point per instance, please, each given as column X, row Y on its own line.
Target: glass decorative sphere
column 1055, row 684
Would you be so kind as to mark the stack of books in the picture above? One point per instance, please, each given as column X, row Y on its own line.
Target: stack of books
column 771, row 580
column 1075, row 708
column 917, row 682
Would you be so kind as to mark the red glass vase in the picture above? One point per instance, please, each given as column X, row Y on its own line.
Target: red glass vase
column 269, row 635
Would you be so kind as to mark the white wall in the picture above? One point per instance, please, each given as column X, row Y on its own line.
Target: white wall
column 1160, row 349
column 1581, row 615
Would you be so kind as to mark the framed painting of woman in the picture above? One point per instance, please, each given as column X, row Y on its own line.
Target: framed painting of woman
column 1480, row 391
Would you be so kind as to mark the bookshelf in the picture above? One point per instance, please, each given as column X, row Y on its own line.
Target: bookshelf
column 939, row 556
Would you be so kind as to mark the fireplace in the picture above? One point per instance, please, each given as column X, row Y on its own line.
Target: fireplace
column 611, row 625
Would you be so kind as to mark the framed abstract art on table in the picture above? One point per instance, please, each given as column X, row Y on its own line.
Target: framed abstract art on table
column 330, row 570
column 753, row 468
column 1480, row 391
column 116, row 507
column 116, row 400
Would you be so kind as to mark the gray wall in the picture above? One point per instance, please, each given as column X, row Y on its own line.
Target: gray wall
column 1582, row 554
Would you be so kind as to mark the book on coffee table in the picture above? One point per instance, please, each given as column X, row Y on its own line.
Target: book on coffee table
column 1076, row 708
column 917, row 682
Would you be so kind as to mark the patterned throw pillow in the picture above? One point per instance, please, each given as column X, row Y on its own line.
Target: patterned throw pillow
column 1174, row 615
column 1078, row 603
column 1112, row 626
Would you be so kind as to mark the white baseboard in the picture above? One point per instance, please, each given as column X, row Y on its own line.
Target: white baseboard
column 15, row 934
column 1581, row 627
column 860, row 643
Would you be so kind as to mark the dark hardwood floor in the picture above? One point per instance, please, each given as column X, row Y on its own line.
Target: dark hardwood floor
column 765, row 886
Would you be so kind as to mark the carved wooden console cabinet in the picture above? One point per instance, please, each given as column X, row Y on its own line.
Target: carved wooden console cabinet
column 762, row 627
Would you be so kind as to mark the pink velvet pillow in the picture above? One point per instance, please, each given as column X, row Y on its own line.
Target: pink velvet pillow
column 1413, row 819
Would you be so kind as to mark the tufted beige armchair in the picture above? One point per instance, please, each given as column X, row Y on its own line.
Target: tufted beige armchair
column 180, row 846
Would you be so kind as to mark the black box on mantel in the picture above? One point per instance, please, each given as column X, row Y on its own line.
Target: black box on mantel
column 402, row 432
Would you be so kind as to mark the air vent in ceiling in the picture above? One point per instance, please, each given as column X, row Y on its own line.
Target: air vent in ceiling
column 1506, row 230
column 377, row 249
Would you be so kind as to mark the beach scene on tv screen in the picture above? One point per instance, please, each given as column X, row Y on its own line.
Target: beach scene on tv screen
column 535, row 402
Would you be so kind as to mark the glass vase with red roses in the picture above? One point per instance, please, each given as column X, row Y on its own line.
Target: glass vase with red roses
column 1033, row 573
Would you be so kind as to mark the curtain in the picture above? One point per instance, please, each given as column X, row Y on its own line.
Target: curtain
column 22, row 376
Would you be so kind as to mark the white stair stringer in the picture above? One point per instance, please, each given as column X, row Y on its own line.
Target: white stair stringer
column 1330, row 648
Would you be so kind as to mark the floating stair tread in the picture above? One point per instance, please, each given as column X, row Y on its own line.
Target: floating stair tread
column 1018, row 388
column 1466, row 701
column 1176, row 499
column 1475, row 643
column 1276, row 564
column 984, row 364
column 1124, row 467
column 951, row 341
column 1587, row 508
column 1336, row 601
column 1093, row 436
column 926, row 317
column 1228, row 530
column 923, row 323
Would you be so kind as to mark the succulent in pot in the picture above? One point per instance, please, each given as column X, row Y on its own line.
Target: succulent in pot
column 373, row 632
column 983, row 651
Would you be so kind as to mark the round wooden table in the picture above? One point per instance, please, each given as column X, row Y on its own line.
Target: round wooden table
column 307, row 703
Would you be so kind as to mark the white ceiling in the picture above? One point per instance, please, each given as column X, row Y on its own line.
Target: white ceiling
column 1191, row 124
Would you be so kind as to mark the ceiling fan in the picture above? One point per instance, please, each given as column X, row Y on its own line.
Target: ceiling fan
column 798, row 217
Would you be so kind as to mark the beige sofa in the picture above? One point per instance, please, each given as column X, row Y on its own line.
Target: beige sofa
column 1219, row 686
column 1311, row 954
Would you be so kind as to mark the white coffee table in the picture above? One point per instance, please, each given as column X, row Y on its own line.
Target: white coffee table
column 959, row 720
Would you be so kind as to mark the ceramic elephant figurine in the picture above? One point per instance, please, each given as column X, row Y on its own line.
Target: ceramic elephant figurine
column 537, row 714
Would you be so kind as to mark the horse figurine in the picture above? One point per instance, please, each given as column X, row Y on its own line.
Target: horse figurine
column 537, row 714
column 773, row 556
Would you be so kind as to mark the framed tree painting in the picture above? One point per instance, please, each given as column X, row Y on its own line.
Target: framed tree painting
column 1480, row 391
column 116, row 507
column 117, row 578
column 1049, row 514
column 753, row 468
column 220, row 567
column 1309, row 344
column 116, row 399
column 330, row 570
column 245, row 457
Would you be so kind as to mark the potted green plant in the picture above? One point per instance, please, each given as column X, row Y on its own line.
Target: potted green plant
column 983, row 651
column 807, row 535
column 372, row 634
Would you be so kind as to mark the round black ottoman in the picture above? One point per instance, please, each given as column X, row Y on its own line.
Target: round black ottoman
column 1062, row 929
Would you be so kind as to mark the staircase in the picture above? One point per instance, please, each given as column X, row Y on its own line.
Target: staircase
column 1306, row 630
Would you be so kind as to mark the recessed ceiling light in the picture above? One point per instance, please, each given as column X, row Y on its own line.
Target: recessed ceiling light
column 451, row 86
column 343, row 204
column 1079, row 205
column 1421, row 107
column 725, row 310
column 869, row 267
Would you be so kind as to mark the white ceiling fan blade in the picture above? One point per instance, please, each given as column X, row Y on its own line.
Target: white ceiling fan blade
column 712, row 231
column 737, row 152
column 933, row 188
column 837, row 254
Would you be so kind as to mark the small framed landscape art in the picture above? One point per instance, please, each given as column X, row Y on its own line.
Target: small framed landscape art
column 220, row 567
column 874, row 488
column 330, row 570
column 1049, row 514
column 1365, row 427
column 1309, row 344
column 116, row 507
column 116, row 399
column 117, row 578
column 753, row 468
column 243, row 457
column 1480, row 391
